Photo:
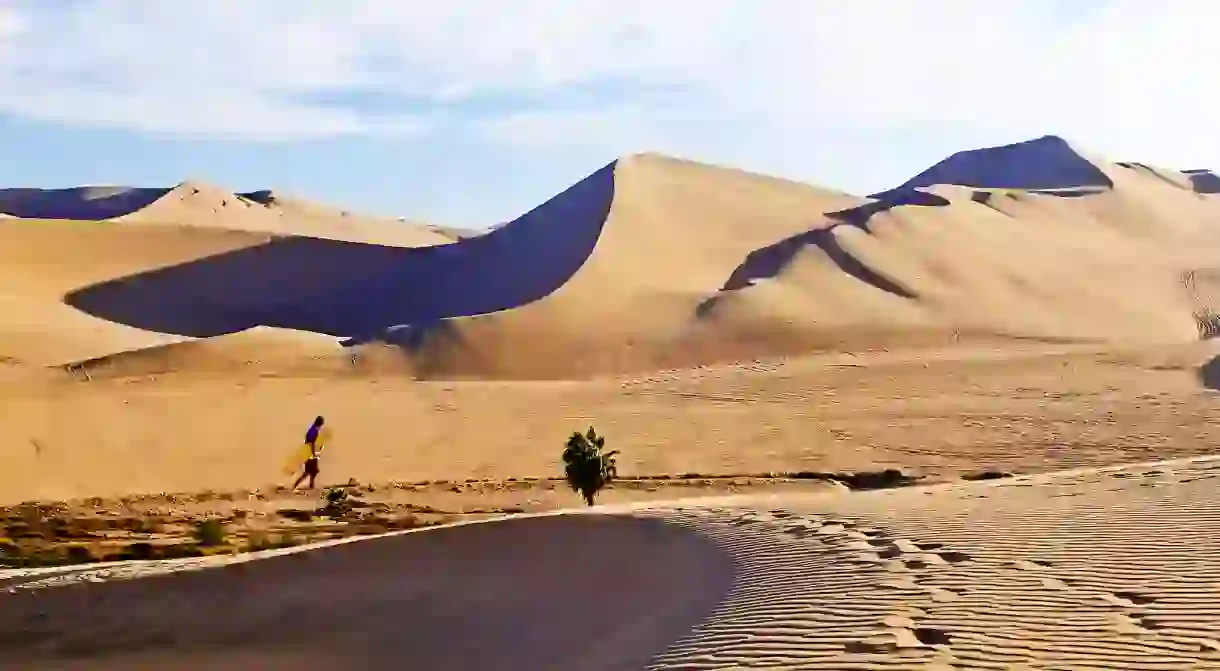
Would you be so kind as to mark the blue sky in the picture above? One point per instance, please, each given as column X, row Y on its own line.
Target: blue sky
column 469, row 112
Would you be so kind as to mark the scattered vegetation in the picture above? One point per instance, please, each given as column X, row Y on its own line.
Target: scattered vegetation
column 210, row 532
column 338, row 502
column 587, row 466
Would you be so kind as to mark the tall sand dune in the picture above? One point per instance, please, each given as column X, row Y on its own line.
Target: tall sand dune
column 997, row 241
column 1111, row 568
column 646, row 236
column 658, row 262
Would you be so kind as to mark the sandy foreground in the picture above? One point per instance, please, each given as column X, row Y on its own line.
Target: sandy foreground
column 1108, row 568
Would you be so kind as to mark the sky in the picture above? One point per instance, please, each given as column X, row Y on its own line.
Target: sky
column 470, row 112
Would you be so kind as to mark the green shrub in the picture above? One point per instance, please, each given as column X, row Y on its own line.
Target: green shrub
column 587, row 466
column 210, row 532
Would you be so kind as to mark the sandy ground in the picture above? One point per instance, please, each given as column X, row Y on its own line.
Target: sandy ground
column 937, row 413
column 1093, row 569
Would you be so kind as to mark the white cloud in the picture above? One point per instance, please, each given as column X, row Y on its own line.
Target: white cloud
column 1128, row 76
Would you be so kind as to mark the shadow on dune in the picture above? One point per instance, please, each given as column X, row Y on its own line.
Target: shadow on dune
column 84, row 203
column 572, row 592
column 768, row 262
column 1045, row 163
column 355, row 290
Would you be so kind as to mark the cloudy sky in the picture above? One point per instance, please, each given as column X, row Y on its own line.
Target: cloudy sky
column 471, row 111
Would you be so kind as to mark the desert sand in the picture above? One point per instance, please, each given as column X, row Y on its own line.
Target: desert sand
column 1093, row 569
column 1015, row 311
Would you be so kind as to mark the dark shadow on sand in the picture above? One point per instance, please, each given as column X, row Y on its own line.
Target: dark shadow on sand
column 354, row 290
column 1044, row 163
column 82, row 203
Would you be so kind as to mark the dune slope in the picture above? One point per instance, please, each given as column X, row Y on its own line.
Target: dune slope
column 40, row 261
column 1108, row 264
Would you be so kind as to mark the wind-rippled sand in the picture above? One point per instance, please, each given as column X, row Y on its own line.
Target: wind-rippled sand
column 1096, row 569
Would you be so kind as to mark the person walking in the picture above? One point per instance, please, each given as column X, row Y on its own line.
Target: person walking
column 315, row 438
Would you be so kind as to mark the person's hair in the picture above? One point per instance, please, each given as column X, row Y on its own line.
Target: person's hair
column 318, row 421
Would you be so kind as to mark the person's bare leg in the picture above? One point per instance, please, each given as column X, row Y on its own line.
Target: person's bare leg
column 300, row 480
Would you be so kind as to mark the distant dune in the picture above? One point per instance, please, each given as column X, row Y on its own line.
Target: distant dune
column 660, row 262
column 84, row 203
column 55, row 240
column 203, row 205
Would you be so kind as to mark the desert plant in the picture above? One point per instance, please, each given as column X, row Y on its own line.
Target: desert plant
column 337, row 500
column 210, row 532
column 587, row 466
column 336, row 496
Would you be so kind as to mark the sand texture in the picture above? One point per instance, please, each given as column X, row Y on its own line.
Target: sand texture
column 1095, row 569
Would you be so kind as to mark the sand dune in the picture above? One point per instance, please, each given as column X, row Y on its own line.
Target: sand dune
column 602, row 247
column 1032, row 240
column 1101, row 569
column 1017, row 258
column 119, row 232
column 198, row 204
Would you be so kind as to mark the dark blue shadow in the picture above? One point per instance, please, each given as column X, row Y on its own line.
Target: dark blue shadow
column 1047, row 162
column 82, row 203
column 355, row 290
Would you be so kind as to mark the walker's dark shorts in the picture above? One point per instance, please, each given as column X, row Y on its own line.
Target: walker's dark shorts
column 311, row 467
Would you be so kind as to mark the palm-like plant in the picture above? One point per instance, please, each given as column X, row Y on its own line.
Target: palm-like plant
column 587, row 467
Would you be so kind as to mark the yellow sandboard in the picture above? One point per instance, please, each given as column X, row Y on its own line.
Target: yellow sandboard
column 296, row 460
